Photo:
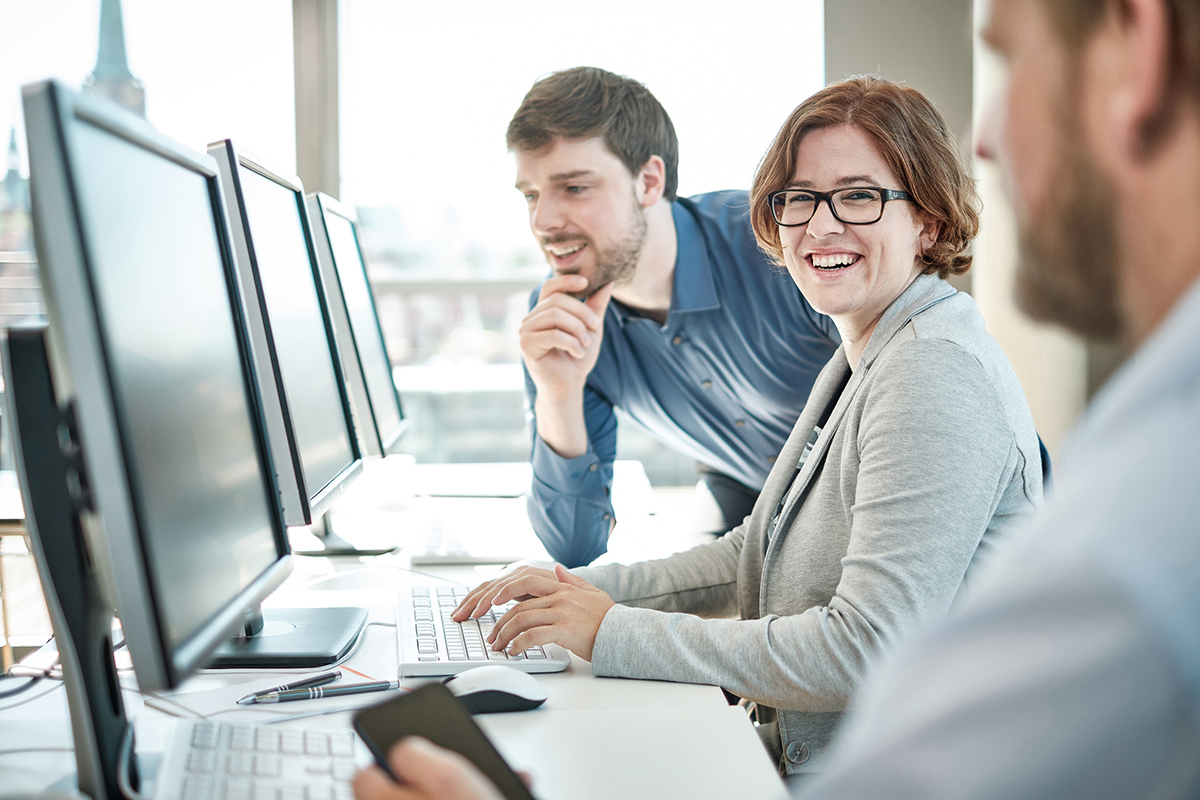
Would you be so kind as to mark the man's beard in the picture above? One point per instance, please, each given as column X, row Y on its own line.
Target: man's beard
column 1067, row 272
column 617, row 264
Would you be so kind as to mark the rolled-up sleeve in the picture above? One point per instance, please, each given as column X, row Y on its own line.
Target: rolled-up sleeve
column 570, row 504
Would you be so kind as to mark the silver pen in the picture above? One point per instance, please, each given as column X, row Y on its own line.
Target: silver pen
column 321, row 691
column 314, row 680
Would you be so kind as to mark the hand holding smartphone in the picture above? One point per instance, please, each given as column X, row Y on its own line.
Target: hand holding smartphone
column 434, row 713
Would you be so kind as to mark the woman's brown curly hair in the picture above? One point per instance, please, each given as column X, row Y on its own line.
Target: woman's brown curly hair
column 914, row 140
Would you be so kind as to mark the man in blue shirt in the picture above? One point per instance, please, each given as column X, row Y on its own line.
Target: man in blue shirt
column 684, row 324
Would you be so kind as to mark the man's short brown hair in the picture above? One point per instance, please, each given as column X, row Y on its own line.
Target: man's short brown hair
column 586, row 102
column 911, row 136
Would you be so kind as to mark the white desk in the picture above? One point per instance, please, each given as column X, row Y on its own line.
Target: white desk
column 594, row 737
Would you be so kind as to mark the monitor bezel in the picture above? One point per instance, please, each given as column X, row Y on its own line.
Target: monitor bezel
column 81, row 365
column 230, row 156
column 321, row 204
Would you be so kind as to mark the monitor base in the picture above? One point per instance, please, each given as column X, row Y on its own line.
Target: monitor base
column 294, row 638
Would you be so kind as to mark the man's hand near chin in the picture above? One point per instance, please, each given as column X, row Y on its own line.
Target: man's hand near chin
column 560, row 341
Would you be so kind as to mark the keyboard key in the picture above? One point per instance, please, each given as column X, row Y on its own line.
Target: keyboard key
column 268, row 765
column 241, row 737
column 319, row 766
column 240, row 763
column 267, row 741
column 316, row 743
column 264, row 791
column 291, row 741
column 341, row 743
column 293, row 791
column 197, row 787
column 206, row 734
column 320, row 793
column 239, row 790
column 343, row 769
column 202, row 760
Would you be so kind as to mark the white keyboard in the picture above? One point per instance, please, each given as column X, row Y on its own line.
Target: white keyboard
column 431, row 643
column 220, row 761
column 442, row 548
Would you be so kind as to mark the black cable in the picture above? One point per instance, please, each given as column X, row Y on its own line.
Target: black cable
column 31, row 681
column 57, row 685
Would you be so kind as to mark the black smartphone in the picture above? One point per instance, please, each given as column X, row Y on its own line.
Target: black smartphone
column 434, row 713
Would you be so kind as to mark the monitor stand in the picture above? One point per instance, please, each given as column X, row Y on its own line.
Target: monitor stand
column 335, row 545
column 48, row 467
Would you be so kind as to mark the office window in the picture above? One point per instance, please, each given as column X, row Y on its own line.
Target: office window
column 221, row 69
column 426, row 92
column 224, row 70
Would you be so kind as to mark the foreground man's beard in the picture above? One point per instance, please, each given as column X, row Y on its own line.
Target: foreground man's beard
column 1067, row 272
column 618, row 264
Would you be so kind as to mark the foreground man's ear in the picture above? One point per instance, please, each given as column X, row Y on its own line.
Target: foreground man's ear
column 1127, row 83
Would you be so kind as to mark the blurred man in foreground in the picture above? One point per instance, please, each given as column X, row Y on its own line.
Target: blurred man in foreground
column 1074, row 671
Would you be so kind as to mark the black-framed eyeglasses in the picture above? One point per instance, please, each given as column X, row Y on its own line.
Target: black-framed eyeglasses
column 855, row 205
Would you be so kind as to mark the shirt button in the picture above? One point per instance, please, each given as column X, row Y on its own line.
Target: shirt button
column 607, row 517
column 707, row 384
column 741, row 423
column 770, row 459
column 593, row 467
column 797, row 752
column 677, row 340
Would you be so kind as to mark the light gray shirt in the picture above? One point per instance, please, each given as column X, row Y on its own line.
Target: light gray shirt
column 1074, row 672
column 927, row 457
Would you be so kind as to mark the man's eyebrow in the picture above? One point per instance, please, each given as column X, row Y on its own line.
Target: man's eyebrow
column 559, row 177
column 849, row 180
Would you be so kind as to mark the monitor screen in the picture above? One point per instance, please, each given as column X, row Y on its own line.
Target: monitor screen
column 136, row 268
column 307, row 362
column 366, row 333
column 177, row 376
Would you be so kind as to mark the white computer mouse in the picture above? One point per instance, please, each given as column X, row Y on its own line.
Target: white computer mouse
column 494, row 688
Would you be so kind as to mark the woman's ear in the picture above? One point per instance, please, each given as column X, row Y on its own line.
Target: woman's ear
column 928, row 237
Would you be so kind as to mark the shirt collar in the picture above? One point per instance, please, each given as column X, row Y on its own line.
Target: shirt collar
column 692, row 284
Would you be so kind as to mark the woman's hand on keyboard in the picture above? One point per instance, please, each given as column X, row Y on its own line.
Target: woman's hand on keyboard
column 424, row 771
column 564, row 609
column 480, row 599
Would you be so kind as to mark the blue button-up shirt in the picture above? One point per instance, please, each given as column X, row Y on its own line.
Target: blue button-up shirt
column 722, row 381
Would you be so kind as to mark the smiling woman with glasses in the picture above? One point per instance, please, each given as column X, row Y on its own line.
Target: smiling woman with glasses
column 913, row 457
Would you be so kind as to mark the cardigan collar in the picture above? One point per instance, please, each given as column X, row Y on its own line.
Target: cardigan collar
column 922, row 293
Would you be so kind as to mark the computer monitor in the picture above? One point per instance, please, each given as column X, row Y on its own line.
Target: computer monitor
column 139, row 427
column 299, row 367
column 378, row 415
